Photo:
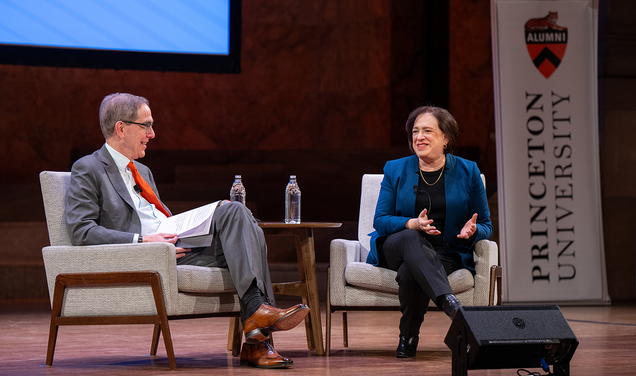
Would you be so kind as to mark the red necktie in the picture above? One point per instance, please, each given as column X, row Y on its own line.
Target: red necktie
column 146, row 191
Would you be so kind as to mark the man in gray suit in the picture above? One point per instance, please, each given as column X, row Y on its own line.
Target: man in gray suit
column 106, row 204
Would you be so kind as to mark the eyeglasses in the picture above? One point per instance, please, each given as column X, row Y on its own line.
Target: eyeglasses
column 147, row 126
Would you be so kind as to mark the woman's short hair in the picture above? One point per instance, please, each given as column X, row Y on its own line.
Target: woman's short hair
column 445, row 121
column 116, row 107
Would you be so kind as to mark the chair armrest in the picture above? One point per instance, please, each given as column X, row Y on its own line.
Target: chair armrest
column 159, row 257
column 486, row 255
column 341, row 252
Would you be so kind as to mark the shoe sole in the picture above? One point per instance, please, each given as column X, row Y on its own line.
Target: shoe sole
column 292, row 320
column 247, row 363
column 404, row 355
column 284, row 323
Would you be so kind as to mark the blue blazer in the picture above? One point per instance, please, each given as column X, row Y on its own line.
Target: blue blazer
column 465, row 195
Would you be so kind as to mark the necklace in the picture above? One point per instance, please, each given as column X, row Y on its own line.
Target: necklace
column 439, row 177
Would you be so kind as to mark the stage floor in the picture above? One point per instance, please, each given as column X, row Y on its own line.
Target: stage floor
column 607, row 336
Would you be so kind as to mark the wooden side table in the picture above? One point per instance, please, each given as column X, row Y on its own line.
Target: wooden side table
column 307, row 286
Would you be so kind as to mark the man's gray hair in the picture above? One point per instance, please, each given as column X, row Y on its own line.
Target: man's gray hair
column 116, row 107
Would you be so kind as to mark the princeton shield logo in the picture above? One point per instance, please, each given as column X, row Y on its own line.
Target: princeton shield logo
column 546, row 42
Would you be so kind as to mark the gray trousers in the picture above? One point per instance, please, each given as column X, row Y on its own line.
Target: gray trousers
column 238, row 245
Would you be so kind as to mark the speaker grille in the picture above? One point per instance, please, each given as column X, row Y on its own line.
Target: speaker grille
column 518, row 323
column 512, row 336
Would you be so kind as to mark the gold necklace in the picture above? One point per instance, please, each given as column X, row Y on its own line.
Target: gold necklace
column 439, row 177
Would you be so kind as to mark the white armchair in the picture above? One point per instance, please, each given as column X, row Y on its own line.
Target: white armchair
column 352, row 284
column 126, row 283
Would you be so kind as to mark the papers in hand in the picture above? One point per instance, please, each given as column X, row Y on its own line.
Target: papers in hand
column 192, row 227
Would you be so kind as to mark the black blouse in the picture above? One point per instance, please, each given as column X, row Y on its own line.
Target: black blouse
column 432, row 198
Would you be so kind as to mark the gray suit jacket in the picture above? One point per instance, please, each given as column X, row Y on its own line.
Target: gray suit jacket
column 99, row 209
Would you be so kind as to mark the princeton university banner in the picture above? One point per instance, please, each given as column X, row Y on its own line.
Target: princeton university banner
column 545, row 74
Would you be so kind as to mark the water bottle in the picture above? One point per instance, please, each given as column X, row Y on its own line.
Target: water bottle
column 237, row 192
column 292, row 201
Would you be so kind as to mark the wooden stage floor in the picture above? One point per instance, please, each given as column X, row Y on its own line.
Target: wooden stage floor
column 607, row 336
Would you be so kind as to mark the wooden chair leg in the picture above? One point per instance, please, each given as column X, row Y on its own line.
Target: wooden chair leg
column 237, row 335
column 230, row 334
column 156, row 333
column 499, row 285
column 495, row 283
column 56, row 311
column 345, row 330
column 162, row 326
column 328, row 339
column 50, row 350
column 51, row 347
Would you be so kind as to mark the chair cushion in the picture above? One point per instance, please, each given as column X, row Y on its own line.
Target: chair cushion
column 371, row 277
column 374, row 278
column 203, row 279
column 461, row 280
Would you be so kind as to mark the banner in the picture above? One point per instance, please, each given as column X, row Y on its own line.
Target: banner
column 545, row 74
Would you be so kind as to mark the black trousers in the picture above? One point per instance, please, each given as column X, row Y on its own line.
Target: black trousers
column 421, row 275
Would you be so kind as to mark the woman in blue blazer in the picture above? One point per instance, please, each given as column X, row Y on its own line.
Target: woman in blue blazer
column 431, row 211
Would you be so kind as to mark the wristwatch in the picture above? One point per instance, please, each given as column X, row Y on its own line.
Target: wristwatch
column 140, row 239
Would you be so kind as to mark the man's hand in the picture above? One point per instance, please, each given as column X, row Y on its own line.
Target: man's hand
column 469, row 228
column 182, row 252
column 422, row 223
column 161, row 238
column 166, row 238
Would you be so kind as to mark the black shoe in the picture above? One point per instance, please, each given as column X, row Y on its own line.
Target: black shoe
column 407, row 348
column 450, row 305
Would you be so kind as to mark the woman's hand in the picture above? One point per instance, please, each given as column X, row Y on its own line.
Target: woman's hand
column 422, row 223
column 469, row 228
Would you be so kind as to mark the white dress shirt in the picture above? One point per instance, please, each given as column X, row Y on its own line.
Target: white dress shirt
column 149, row 215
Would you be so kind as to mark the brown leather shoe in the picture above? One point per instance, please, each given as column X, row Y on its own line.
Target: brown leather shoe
column 269, row 319
column 263, row 355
